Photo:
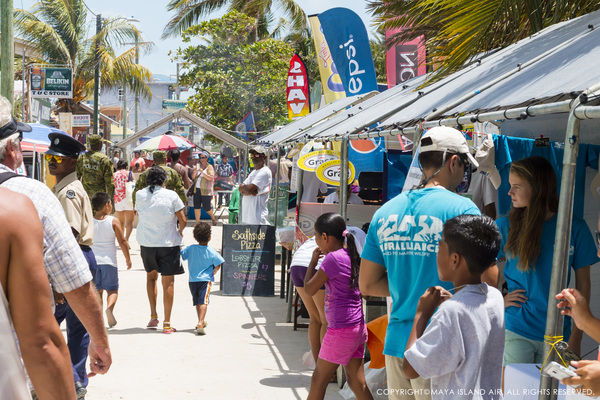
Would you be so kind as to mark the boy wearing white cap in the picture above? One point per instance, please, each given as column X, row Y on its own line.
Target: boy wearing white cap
column 399, row 256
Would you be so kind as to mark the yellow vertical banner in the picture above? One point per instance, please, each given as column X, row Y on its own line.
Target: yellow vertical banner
column 333, row 88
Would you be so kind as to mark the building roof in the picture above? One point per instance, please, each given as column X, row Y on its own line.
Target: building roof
column 163, row 79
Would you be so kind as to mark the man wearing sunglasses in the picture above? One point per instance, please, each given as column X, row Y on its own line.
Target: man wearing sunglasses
column 255, row 189
column 65, row 264
column 62, row 161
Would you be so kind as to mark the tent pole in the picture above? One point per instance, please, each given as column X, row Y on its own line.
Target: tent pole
column 283, row 252
column 560, row 260
column 344, row 178
column 290, row 297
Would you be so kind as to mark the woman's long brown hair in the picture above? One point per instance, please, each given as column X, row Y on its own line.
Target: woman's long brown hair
column 527, row 223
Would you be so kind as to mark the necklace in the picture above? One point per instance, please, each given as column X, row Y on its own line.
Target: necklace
column 460, row 287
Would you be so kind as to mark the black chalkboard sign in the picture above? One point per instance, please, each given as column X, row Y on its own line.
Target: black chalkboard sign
column 249, row 253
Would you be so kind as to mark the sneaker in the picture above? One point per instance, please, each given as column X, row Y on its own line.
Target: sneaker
column 200, row 331
column 110, row 318
column 169, row 329
column 153, row 324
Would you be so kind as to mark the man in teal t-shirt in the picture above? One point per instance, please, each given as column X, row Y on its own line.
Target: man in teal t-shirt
column 399, row 256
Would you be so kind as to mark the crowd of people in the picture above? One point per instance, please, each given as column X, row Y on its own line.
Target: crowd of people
column 429, row 249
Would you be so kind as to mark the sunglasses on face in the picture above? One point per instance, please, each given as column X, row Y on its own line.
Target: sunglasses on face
column 203, row 157
column 57, row 159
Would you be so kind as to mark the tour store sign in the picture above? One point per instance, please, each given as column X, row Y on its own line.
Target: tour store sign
column 330, row 172
column 310, row 162
column 51, row 82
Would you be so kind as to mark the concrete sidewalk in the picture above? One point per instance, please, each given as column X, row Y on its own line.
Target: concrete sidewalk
column 249, row 352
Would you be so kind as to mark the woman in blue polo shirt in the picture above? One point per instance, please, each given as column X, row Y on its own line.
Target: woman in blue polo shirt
column 528, row 234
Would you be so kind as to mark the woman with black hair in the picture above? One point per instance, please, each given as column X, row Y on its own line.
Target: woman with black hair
column 159, row 237
column 123, row 208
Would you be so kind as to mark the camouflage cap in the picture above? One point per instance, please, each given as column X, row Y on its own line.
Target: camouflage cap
column 95, row 139
column 159, row 154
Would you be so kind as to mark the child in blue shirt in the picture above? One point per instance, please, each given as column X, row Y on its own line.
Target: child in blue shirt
column 203, row 263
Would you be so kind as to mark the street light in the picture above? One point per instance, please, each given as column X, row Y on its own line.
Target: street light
column 97, row 71
column 125, row 85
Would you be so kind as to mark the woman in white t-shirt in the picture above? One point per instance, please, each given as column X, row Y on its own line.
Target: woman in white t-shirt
column 159, row 237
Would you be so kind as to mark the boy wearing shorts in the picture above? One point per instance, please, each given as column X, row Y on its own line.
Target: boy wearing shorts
column 203, row 263
column 106, row 230
column 461, row 348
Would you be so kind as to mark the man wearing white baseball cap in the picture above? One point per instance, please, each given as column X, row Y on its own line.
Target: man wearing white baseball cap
column 399, row 256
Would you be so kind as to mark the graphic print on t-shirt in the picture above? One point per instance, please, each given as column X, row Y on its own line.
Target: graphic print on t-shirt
column 409, row 236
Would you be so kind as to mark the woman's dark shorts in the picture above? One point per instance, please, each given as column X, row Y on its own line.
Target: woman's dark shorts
column 164, row 260
column 202, row 201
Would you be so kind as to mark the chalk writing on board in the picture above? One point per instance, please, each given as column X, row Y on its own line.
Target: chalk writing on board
column 249, row 253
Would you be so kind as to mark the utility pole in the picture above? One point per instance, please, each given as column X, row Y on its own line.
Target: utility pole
column 7, row 52
column 97, row 75
column 124, row 112
column 23, row 89
column 178, row 89
column 137, row 97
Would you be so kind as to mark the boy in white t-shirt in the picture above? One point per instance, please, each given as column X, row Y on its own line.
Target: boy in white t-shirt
column 461, row 348
column 106, row 229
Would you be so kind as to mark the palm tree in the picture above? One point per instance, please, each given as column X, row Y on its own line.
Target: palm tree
column 189, row 12
column 58, row 29
column 456, row 31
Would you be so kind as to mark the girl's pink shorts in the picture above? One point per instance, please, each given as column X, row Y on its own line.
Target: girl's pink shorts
column 342, row 344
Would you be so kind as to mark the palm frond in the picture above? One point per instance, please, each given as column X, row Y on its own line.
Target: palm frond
column 188, row 13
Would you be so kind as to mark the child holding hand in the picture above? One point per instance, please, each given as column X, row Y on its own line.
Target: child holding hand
column 344, row 342
column 461, row 348
column 106, row 229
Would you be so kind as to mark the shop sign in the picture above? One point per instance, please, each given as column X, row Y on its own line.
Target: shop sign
column 311, row 161
column 52, row 82
column 330, row 172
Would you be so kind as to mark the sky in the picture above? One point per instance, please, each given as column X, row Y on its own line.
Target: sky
column 153, row 16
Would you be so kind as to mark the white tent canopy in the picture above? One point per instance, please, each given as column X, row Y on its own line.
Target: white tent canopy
column 543, row 68
column 296, row 128
column 195, row 120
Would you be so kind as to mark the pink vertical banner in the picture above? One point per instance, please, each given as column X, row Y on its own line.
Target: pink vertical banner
column 404, row 60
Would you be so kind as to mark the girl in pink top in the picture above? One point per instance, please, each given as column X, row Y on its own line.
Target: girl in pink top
column 344, row 342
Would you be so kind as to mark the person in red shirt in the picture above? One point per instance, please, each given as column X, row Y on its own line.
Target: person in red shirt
column 138, row 164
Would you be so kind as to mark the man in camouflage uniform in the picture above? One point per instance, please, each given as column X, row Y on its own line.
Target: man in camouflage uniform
column 95, row 170
column 173, row 181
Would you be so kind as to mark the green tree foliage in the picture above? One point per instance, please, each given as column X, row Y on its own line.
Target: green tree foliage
column 190, row 12
column 456, row 31
column 377, row 43
column 58, row 30
column 233, row 75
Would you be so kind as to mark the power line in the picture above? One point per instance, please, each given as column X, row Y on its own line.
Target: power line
column 89, row 9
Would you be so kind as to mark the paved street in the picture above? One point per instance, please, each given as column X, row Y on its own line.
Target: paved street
column 249, row 351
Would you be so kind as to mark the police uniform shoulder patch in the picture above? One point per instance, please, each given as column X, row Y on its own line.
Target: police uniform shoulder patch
column 70, row 194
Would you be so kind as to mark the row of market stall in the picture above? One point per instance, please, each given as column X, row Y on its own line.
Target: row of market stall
column 544, row 87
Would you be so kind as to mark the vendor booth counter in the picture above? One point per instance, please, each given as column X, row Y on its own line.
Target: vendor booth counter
column 357, row 215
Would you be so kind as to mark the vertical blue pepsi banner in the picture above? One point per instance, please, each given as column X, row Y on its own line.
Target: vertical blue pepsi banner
column 350, row 49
